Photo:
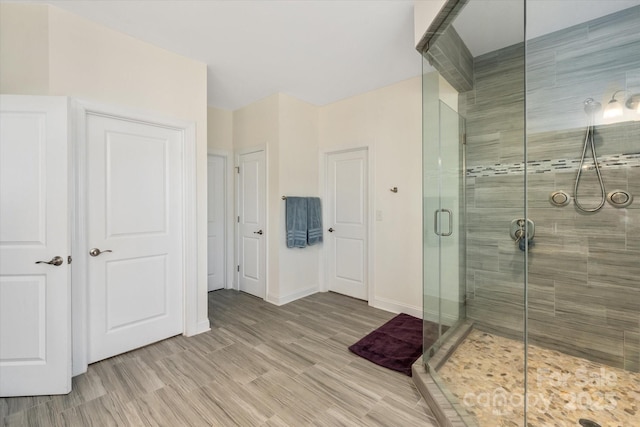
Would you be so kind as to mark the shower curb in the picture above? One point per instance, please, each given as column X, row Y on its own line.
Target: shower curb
column 439, row 400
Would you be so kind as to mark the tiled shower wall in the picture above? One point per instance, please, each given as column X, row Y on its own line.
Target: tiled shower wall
column 584, row 269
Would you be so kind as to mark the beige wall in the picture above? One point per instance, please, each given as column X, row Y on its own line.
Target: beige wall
column 287, row 129
column 294, row 133
column 389, row 119
column 298, row 176
column 219, row 129
column 24, row 49
column 256, row 125
column 85, row 60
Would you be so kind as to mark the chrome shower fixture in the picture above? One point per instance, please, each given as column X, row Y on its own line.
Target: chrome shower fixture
column 614, row 107
column 591, row 106
column 633, row 102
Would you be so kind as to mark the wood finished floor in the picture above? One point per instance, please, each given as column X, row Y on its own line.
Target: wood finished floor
column 260, row 365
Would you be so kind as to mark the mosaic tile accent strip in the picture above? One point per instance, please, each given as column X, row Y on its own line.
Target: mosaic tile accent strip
column 615, row 161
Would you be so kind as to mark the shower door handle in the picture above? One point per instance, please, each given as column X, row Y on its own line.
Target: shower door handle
column 436, row 222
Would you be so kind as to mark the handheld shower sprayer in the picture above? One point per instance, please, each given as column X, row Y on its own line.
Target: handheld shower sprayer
column 590, row 108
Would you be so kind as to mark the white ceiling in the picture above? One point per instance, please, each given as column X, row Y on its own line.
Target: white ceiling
column 319, row 51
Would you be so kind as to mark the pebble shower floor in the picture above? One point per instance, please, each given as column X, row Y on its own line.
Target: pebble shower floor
column 485, row 373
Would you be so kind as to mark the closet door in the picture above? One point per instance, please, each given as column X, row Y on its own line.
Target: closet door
column 252, row 223
column 216, row 222
column 347, row 238
column 35, row 317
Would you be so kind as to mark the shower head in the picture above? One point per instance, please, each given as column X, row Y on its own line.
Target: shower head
column 591, row 106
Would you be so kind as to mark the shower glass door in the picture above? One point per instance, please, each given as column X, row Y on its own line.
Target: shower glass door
column 474, row 187
column 443, row 197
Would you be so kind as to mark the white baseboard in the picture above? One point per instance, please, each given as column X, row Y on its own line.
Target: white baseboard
column 430, row 316
column 396, row 307
column 292, row 296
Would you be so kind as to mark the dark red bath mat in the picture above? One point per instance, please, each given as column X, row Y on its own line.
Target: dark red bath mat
column 397, row 343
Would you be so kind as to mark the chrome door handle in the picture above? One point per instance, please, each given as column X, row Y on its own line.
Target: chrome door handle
column 436, row 216
column 331, row 230
column 258, row 232
column 56, row 260
column 96, row 251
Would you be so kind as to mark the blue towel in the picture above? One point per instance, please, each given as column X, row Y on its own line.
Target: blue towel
column 296, row 222
column 314, row 220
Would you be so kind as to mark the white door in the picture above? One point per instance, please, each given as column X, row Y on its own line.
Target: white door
column 134, row 226
column 251, row 223
column 346, row 240
column 35, row 311
column 216, row 209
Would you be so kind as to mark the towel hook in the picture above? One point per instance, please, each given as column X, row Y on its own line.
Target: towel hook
column 394, row 190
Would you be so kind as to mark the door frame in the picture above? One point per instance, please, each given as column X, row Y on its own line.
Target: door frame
column 228, row 214
column 236, row 259
column 369, row 150
column 79, row 244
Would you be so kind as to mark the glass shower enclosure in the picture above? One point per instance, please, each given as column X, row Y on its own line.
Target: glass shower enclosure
column 531, row 233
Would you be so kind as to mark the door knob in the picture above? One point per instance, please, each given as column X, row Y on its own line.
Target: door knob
column 56, row 260
column 258, row 232
column 331, row 230
column 96, row 251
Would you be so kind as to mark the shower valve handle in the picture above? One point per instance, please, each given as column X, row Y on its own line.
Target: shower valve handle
column 519, row 235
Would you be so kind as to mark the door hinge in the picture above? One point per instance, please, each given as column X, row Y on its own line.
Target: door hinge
column 69, row 259
column 238, row 218
column 238, row 269
column 237, row 169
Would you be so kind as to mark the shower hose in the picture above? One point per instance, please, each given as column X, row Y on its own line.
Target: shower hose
column 589, row 140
